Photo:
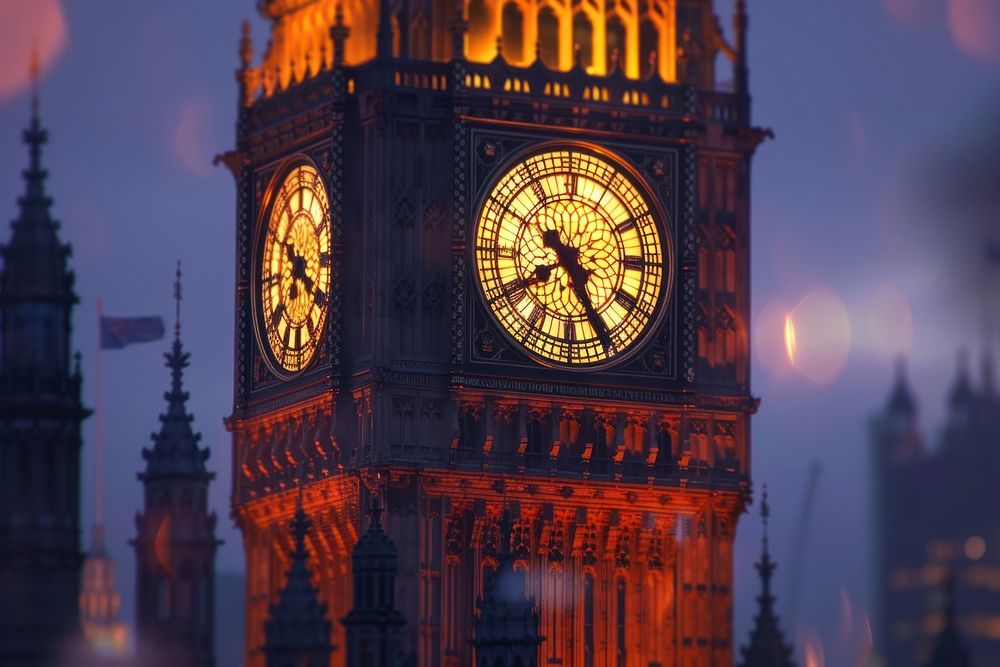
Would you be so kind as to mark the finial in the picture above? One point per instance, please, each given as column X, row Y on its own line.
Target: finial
column 34, row 74
column 538, row 50
column 615, row 57
column 653, row 62
column 458, row 29
column 338, row 35
column 177, row 302
column 246, row 45
column 506, row 526
column 499, row 46
column 577, row 55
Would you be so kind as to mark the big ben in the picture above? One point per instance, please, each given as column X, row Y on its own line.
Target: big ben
column 492, row 262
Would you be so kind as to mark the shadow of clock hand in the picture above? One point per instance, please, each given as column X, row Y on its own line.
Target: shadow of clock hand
column 569, row 259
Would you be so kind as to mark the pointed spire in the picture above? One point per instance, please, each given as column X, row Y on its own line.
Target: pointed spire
column 740, row 24
column 36, row 285
column 949, row 648
column 507, row 627
column 767, row 647
column 298, row 629
column 459, row 28
column 338, row 35
column 901, row 401
column 961, row 397
column 175, row 451
column 383, row 37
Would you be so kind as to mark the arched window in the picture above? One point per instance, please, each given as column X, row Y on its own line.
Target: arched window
column 649, row 39
column 615, row 42
column 583, row 37
column 548, row 37
column 513, row 33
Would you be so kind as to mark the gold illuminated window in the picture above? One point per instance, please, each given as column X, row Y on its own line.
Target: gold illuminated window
column 569, row 257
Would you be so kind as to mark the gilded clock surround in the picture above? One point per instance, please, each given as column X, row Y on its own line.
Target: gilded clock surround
column 569, row 255
column 293, row 275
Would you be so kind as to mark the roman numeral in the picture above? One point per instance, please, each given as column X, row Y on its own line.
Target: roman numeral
column 634, row 263
column 626, row 300
column 535, row 315
column 298, row 338
column 625, row 225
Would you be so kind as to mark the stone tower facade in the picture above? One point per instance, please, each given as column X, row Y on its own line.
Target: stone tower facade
column 40, row 417
column 489, row 254
column 175, row 543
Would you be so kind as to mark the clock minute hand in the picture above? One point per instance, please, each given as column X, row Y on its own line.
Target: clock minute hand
column 569, row 259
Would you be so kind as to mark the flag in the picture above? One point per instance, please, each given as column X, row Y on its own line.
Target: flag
column 117, row 332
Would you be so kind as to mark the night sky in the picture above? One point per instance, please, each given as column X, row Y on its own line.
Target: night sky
column 872, row 103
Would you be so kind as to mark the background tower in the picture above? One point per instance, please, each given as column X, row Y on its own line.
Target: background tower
column 175, row 545
column 40, row 416
column 373, row 626
column 933, row 547
column 489, row 268
column 507, row 625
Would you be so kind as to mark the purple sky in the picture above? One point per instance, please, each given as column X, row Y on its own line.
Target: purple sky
column 861, row 95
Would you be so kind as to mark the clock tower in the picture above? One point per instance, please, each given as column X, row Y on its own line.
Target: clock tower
column 493, row 260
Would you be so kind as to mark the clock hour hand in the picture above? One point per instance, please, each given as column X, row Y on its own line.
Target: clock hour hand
column 569, row 259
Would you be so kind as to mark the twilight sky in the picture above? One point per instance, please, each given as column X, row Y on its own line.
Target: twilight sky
column 866, row 97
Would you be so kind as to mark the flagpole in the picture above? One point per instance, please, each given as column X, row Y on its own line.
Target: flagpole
column 98, row 430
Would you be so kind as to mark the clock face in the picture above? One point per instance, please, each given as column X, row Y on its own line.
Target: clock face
column 570, row 258
column 295, row 270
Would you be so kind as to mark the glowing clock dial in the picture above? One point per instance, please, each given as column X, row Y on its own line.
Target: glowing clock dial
column 569, row 257
column 295, row 269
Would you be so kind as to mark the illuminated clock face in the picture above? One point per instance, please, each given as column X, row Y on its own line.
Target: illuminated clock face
column 570, row 258
column 295, row 269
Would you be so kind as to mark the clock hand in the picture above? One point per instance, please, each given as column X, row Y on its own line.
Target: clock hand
column 569, row 259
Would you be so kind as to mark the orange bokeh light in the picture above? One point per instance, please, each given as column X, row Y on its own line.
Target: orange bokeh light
column 27, row 25
column 975, row 27
column 821, row 335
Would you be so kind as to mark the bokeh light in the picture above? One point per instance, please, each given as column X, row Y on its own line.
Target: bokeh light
column 910, row 12
column 771, row 339
column 24, row 26
column 193, row 136
column 822, row 335
column 975, row 547
column 975, row 27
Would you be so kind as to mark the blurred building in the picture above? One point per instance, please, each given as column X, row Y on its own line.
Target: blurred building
column 40, row 441
column 175, row 545
column 100, row 603
column 935, row 513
